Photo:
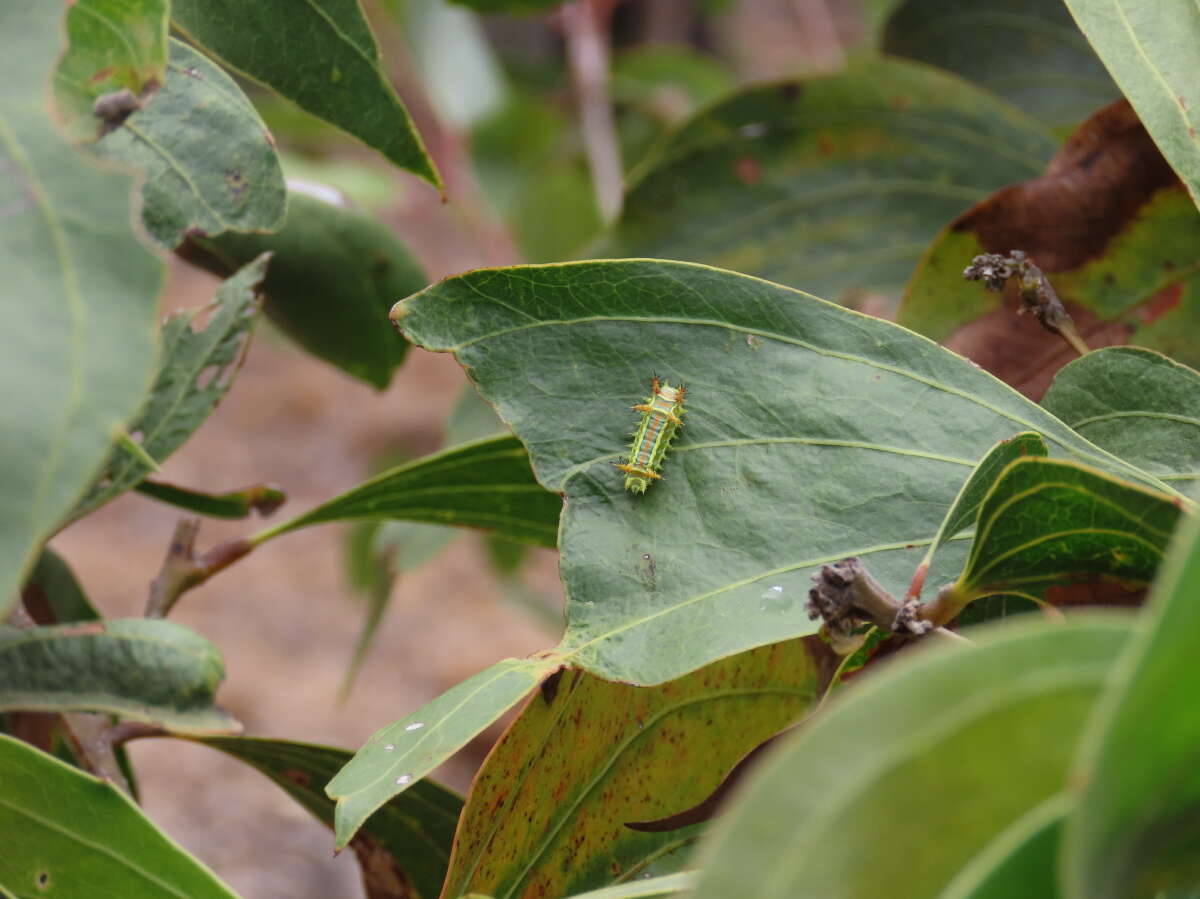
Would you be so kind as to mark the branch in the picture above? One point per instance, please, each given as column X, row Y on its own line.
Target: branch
column 182, row 569
column 588, row 57
column 848, row 599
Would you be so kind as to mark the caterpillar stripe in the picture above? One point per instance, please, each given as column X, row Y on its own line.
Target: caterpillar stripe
column 661, row 419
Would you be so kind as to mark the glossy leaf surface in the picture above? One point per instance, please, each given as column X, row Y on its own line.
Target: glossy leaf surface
column 414, row 830
column 334, row 274
column 547, row 812
column 813, row 433
column 1135, row 829
column 1136, row 404
column 80, row 300
column 1049, row 523
column 209, row 163
column 1027, row 51
column 196, row 368
column 66, row 833
column 403, row 752
column 1152, row 50
column 486, row 484
column 834, row 185
column 977, row 737
column 322, row 56
column 147, row 670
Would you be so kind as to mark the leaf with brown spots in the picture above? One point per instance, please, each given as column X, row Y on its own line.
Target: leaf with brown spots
column 1112, row 228
column 833, row 184
column 546, row 816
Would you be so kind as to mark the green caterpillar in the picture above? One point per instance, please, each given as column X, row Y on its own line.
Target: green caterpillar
column 661, row 418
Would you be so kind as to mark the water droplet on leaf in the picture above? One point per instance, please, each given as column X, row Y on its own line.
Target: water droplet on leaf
column 403, row 780
column 416, row 725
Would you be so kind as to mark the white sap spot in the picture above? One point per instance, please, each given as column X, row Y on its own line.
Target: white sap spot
column 389, row 747
column 753, row 130
column 774, row 598
column 403, row 780
column 416, row 725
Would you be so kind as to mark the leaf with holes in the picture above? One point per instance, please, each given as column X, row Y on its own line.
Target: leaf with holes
column 147, row 670
column 116, row 55
column 322, row 56
column 197, row 368
column 1027, row 51
column 1152, row 51
column 81, row 302
column 1050, row 527
column 413, row 830
column 334, row 274
column 1136, row 404
column 905, row 780
column 835, row 184
column 548, row 811
column 208, row 160
column 91, row 840
column 1111, row 227
column 1135, row 829
column 485, row 484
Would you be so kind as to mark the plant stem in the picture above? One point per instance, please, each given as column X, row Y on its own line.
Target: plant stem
column 584, row 26
column 182, row 569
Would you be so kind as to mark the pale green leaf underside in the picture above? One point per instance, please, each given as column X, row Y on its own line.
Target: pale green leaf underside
column 80, row 300
column 1152, row 50
column 147, row 670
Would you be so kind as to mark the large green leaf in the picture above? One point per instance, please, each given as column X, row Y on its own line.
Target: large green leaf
column 414, row 830
column 906, row 778
column 485, row 484
column 547, row 812
column 1136, row 828
column 1023, row 861
column 834, row 185
column 1136, row 404
column 148, row 670
column 322, row 56
column 1109, row 224
column 402, row 753
column 65, row 833
column 79, row 297
column 334, row 274
column 1049, row 523
column 1152, row 51
column 813, row 433
column 195, row 370
column 1027, row 51
column 112, row 45
column 209, row 162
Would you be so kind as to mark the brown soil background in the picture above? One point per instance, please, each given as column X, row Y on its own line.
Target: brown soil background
column 285, row 617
